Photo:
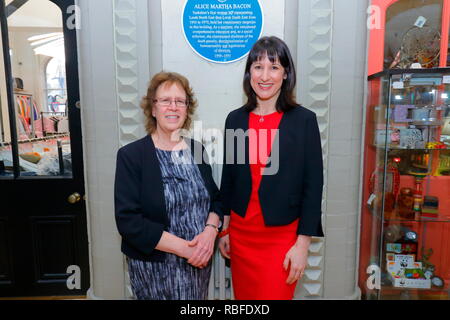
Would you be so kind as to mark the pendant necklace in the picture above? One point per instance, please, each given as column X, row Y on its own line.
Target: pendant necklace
column 261, row 117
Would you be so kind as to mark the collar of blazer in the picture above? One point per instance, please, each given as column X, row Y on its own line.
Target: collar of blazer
column 285, row 140
column 151, row 172
column 195, row 147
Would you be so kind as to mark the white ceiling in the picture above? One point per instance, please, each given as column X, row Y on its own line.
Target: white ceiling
column 36, row 13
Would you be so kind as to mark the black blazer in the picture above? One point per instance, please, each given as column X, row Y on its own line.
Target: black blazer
column 140, row 208
column 295, row 191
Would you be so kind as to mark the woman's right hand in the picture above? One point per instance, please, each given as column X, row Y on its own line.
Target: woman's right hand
column 187, row 252
column 224, row 246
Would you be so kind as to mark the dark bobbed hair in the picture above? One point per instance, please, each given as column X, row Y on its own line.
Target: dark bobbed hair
column 274, row 48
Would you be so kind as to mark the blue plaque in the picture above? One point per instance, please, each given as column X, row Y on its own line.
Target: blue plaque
column 222, row 31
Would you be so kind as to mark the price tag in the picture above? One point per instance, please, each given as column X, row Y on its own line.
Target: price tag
column 398, row 85
column 371, row 198
column 446, row 79
column 420, row 22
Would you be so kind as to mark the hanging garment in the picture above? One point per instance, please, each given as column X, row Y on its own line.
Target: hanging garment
column 63, row 125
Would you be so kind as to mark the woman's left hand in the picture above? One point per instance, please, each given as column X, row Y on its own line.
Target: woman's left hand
column 296, row 259
column 204, row 247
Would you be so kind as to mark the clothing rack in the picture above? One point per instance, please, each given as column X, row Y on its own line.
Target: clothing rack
column 55, row 136
column 55, row 113
column 27, row 111
column 51, row 113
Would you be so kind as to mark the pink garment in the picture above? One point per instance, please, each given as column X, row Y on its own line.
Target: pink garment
column 38, row 129
column 49, row 125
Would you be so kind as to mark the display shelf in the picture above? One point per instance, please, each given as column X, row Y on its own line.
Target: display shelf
column 422, row 220
column 410, row 149
column 393, row 293
column 406, row 186
column 423, row 290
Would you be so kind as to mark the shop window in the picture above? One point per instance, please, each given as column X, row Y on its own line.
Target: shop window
column 38, row 106
column 56, row 92
column 413, row 33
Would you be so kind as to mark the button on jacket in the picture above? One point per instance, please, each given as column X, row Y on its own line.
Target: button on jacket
column 140, row 208
column 295, row 190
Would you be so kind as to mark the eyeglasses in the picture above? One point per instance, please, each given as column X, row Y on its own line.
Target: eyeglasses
column 167, row 102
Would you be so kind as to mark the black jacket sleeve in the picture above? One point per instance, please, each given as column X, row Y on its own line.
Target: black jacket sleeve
column 311, row 209
column 216, row 205
column 133, row 225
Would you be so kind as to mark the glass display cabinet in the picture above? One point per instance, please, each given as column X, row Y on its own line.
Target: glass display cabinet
column 405, row 214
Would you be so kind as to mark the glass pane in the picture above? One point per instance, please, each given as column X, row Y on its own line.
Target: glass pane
column 448, row 50
column 416, row 219
column 6, row 161
column 38, row 67
column 373, row 195
column 405, row 245
column 56, row 85
column 413, row 29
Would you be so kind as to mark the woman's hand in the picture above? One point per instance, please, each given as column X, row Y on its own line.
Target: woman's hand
column 297, row 259
column 224, row 242
column 203, row 245
column 224, row 246
column 186, row 251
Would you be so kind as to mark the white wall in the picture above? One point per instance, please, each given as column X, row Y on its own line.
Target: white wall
column 124, row 42
column 100, row 117
column 348, row 70
column 26, row 64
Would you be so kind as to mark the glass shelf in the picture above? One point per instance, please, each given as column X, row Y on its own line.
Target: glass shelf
column 403, row 293
column 422, row 220
column 405, row 126
column 379, row 146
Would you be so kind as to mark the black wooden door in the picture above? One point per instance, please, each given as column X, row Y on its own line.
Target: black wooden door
column 43, row 227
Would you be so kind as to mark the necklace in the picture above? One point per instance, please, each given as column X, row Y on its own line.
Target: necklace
column 261, row 117
column 167, row 146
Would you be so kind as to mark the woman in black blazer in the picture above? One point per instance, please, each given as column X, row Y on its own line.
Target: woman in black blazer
column 166, row 199
column 272, row 179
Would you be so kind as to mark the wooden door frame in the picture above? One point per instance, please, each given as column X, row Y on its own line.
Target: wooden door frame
column 9, row 88
column 73, row 97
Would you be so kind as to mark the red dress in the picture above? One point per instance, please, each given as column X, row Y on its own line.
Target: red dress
column 258, row 251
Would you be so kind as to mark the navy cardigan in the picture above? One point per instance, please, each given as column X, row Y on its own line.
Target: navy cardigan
column 295, row 191
column 140, row 208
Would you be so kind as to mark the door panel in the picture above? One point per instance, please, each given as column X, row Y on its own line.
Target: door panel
column 42, row 233
column 5, row 254
column 54, row 247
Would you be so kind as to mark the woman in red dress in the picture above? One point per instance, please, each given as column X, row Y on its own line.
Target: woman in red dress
column 272, row 179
